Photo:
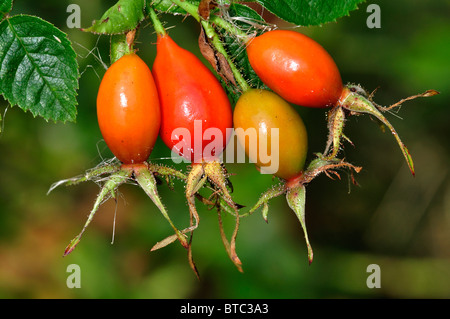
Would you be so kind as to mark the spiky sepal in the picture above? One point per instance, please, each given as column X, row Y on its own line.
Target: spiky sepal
column 295, row 189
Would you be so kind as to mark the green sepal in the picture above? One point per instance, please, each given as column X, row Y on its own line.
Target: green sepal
column 296, row 198
column 144, row 177
column 108, row 189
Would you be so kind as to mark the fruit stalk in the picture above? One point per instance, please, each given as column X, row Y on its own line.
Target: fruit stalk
column 212, row 34
column 157, row 25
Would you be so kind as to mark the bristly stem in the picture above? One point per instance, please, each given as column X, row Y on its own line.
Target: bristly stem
column 157, row 25
column 230, row 28
column 122, row 44
column 212, row 34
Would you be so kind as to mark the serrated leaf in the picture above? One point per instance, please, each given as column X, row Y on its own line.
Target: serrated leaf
column 122, row 17
column 5, row 7
column 308, row 12
column 38, row 68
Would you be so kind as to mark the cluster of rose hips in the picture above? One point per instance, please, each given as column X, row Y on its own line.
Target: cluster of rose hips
column 135, row 105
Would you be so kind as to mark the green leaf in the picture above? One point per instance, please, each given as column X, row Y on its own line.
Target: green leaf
column 307, row 12
column 122, row 17
column 5, row 7
column 38, row 71
column 168, row 6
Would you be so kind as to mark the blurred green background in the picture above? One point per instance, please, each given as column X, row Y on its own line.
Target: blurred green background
column 394, row 220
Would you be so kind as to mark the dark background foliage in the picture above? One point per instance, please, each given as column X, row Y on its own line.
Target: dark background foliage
column 394, row 220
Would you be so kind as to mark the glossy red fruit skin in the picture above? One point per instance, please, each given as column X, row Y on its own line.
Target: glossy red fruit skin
column 128, row 109
column 189, row 91
column 296, row 67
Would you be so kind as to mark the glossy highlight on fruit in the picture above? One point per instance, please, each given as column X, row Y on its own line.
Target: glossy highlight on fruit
column 264, row 110
column 128, row 109
column 189, row 92
column 295, row 67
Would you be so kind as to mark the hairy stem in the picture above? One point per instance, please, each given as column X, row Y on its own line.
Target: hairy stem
column 230, row 28
column 212, row 34
column 157, row 25
column 217, row 43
